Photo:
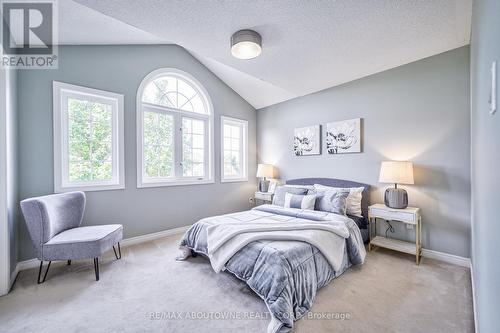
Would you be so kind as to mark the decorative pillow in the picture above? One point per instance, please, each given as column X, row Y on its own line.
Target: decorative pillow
column 353, row 199
column 332, row 200
column 279, row 193
column 300, row 201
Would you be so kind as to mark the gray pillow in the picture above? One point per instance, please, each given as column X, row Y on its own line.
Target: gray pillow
column 333, row 201
column 279, row 193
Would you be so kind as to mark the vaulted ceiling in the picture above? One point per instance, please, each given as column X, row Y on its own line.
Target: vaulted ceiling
column 307, row 45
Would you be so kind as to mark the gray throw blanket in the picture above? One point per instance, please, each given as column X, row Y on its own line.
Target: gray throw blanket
column 286, row 274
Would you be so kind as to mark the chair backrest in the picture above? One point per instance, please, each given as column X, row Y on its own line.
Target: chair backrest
column 49, row 215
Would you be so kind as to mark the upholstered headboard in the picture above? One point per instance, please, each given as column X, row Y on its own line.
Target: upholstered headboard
column 365, row 201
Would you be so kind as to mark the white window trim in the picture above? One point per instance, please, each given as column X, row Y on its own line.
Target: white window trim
column 209, row 168
column 61, row 140
column 244, row 154
column 4, row 179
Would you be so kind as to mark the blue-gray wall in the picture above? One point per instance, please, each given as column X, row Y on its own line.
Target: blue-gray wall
column 418, row 112
column 485, row 48
column 120, row 69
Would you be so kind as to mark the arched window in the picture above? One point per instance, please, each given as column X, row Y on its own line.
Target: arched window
column 174, row 130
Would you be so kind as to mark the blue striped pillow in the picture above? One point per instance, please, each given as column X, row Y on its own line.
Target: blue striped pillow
column 279, row 193
column 300, row 201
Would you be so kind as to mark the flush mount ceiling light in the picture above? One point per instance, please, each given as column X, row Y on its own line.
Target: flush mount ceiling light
column 246, row 44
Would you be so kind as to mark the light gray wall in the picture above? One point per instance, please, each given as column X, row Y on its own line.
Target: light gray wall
column 417, row 112
column 485, row 48
column 120, row 69
column 12, row 167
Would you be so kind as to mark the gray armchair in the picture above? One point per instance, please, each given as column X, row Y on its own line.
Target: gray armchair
column 54, row 224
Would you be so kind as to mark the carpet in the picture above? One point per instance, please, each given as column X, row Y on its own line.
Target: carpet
column 148, row 291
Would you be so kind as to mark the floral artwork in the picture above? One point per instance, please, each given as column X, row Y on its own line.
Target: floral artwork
column 307, row 141
column 344, row 136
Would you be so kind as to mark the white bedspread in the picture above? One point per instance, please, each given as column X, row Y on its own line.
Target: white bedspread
column 225, row 239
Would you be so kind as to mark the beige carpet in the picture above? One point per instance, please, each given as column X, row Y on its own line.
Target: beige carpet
column 389, row 293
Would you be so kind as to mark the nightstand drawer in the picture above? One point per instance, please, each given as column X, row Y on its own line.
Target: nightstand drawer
column 397, row 215
column 266, row 196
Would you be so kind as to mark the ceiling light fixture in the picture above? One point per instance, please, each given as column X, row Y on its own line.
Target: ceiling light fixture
column 246, row 44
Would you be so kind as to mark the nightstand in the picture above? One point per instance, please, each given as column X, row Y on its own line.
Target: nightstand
column 409, row 215
column 265, row 197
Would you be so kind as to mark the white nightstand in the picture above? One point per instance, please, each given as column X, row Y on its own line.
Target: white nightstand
column 265, row 197
column 409, row 215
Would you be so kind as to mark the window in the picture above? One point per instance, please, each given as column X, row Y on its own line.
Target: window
column 234, row 148
column 174, row 130
column 88, row 139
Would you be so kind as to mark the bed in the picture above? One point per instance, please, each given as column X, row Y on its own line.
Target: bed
column 361, row 221
column 283, row 254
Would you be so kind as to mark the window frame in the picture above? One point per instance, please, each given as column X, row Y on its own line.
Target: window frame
column 60, row 92
column 243, row 149
column 178, row 114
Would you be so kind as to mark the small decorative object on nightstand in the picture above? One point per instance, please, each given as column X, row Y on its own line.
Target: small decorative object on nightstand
column 396, row 172
column 409, row 215
column 265, row 197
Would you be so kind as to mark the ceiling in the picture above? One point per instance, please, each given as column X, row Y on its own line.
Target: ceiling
column 307, row 46
column 79, row 24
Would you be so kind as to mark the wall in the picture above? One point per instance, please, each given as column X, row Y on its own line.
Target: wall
column 120, row 69
column 417, row 112
column 485, row 48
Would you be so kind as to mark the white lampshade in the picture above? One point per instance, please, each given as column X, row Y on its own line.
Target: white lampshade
column 396, row 172
column 265, row 170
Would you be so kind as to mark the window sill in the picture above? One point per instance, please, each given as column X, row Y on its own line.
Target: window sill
column 174, row 183
column 89, row 188
column 234, row 180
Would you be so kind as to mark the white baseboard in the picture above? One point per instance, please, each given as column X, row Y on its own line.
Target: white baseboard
column 153, row 236
column 13, row 276
column 446, row 257
column 32, row 263
column 474, row 307
column 27, row 264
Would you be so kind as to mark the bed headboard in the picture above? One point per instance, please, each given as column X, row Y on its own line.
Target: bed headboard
column 365, row 201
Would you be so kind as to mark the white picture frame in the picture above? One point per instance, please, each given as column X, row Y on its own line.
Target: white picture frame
column 343, row 137
column 307, row 140
column 273, row 183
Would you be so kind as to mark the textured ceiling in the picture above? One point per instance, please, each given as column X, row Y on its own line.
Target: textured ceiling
column 79, row 24
column 307, row 46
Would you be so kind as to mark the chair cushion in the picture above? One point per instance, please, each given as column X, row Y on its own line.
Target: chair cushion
column 82, row 243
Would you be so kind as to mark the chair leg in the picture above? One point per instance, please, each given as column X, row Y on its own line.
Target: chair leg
column 119, row 255
column 69, row 262
column 40, row 272
column 96, row 268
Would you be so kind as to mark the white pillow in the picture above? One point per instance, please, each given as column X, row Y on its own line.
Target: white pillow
column 353, row 201
column 300, row 201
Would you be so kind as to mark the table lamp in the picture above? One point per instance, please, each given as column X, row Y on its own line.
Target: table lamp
column 396, row 172
column 264, row 171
